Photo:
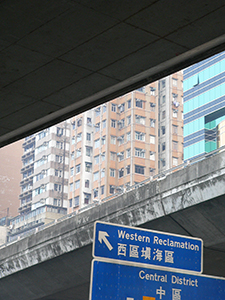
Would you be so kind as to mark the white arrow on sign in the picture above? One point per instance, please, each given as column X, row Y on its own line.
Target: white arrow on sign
column 102, row 236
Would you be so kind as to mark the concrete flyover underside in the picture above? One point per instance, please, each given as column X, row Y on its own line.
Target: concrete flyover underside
column 61, row 57
column 55, row 263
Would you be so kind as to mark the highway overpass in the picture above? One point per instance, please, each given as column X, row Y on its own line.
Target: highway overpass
column 61, row 57
column 54, row 264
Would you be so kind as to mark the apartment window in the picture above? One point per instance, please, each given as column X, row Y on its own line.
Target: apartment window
column 79, row 122
column 38, row 177
column 73, row 125
column 152, row 106
column 128, row 153
column 57, row 187
column 121, row 107
column 152, row 155
column 86, row 183
column 175, row 129
column 129, row 103
column 163, row 114
column 72, row 171
column 175, row 145
column 89, row 121
column 58, row 173
column 152, row 139
column 128, row 169
column 59, row 131
column 77, row 169
column 56, row 202
column 140, row 119
column 128, row 120
column 103, row 140
column 58, row 158
column 175, row 111
column 77, row 184
column 87, row 198
column 102, row 188
column 88, row 136
column 163, row 99
column 76, row 201
column 59, row 145
column 174, row 81
column 138, row 103
column 95, row 193
column 97, row 111
column 112, row 172
column 139, row 152
column 139, row 169
column 113, row 107
column 152, row 91
column 163, row 130
column 70, row 202
column 103, row 156
column 152, row 123
column 104, row 124
column 112, row 156
column 97, row 127
column 163, row 146
column 128, row 136
column 79, row 137
column 113, row 139
column 43, row 134
column 102, row 173
column 97, row 143
column 73, row 140
column 163, row 162
column 121, row 172
column 113, row 123
column 111, row 189
column 120, row 156
column 78, row 152
column 88, row 166
column 88, row 151
column 163, row 84
column 139, row 136
column 175, row 102
column 96, row 175
column 121, row 139
column 175, row 161
column 96, row 158
column 121, row 123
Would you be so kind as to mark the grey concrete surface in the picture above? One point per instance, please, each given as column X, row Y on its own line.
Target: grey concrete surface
column 61, row 57
column 54, row 264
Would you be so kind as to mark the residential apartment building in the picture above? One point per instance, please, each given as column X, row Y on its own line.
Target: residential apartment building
column 100, row 152
column 204, row 106
column 125, row 141
column 44, row 184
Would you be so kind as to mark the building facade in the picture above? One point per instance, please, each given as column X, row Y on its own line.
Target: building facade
column 125, row 141
column 101, row 152
column 44, row 184
column 204, row 106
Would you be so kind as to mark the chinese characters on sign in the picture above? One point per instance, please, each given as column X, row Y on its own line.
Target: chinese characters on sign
column 146, row 252
column 146, row 246
column 112, row 281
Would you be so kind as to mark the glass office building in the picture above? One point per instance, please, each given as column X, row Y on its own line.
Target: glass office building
column 204, row 106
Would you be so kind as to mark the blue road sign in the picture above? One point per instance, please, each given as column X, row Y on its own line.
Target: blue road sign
column 112, row 281
column 150, row 247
